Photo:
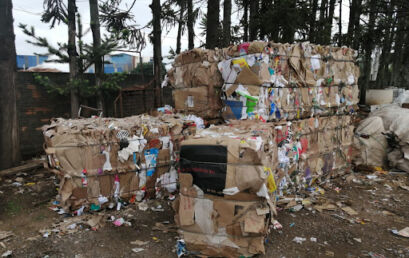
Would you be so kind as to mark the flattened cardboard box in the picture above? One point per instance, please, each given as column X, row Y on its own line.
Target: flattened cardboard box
column 201, row 101
column 215, row 226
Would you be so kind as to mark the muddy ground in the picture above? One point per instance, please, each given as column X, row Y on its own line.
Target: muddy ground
column 381, row 204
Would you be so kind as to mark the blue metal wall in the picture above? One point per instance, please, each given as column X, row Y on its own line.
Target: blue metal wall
column 27, row 61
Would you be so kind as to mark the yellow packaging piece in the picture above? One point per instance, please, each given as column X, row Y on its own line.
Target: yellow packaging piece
column 271, row 183
column 240, row 62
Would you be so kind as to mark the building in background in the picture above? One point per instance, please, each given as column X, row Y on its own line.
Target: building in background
column 24, row 62
column 116, row 63
column 121, row 63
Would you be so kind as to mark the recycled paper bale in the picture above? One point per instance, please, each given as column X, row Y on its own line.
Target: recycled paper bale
column 266, row 81
column 312, row 150
column 371, row 142
column 215, row 226
column 107, row 159
column 227, row 183
column 289, row 81
column 235, row 162
column 197, row 83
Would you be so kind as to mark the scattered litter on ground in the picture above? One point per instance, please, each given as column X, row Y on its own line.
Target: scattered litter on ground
column 326, row 206
column 403, row 232
column 181, row 248
column 277, row 225
column 299, row 240
column 358, row 240
column 143, row 206
column 139, row 242
column 349, row 210
column 5, row 234
column 137, row 250
column 7, row 253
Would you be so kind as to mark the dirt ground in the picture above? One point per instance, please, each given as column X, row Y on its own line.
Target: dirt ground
column 381, row 204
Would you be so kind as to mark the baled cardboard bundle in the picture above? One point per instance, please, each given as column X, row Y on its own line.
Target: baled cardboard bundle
column 288, row 81
column 237, row 157
column 215, row 226
column 312, row 150
column 112, row 158
column 226, row 185
column 266, row 80
column 202, row 101
column 197, row 83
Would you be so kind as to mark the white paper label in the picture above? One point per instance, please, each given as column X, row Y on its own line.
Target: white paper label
column 315, row 62
column 190, row 102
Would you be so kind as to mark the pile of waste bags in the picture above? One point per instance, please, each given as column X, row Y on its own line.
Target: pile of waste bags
column 383, row 138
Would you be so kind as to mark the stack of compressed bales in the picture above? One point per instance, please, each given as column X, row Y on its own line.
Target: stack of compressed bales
column 227, row 183
column 305, row 95
column 109, row 159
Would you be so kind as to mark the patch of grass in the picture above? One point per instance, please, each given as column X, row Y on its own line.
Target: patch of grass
column 13, row 207
column 40, row 217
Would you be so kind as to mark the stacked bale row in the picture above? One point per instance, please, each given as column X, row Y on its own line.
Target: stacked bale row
column 266, row 80
column 108, row 159
column 304, row 93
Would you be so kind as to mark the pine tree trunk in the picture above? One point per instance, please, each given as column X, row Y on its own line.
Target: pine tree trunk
column 212, row 26
column 357, row 30
column 352, row 13
column 289, row 28
column 190, row 29
column 265, row 6
column 321, row 22
column 157, row 51
column 253, row 26
column 99, row 66
column 72, row 53
column 340, row 24
column 368, row 50
column 226, row 23
column 245, row 20
column 313, row 14
column 9, row 129
column 405, row 58
column 180, row 26
column 275, row 31
column 328, row 23
column 399, row 47
column 386, row 48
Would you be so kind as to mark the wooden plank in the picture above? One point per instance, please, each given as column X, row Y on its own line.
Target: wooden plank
column 30, row 165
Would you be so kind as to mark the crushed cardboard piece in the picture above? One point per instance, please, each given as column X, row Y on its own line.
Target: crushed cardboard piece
column 326, row 206
column 349, row 210
column 5, row 235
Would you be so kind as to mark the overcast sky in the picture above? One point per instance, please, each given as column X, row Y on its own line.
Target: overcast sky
column 29, row 12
